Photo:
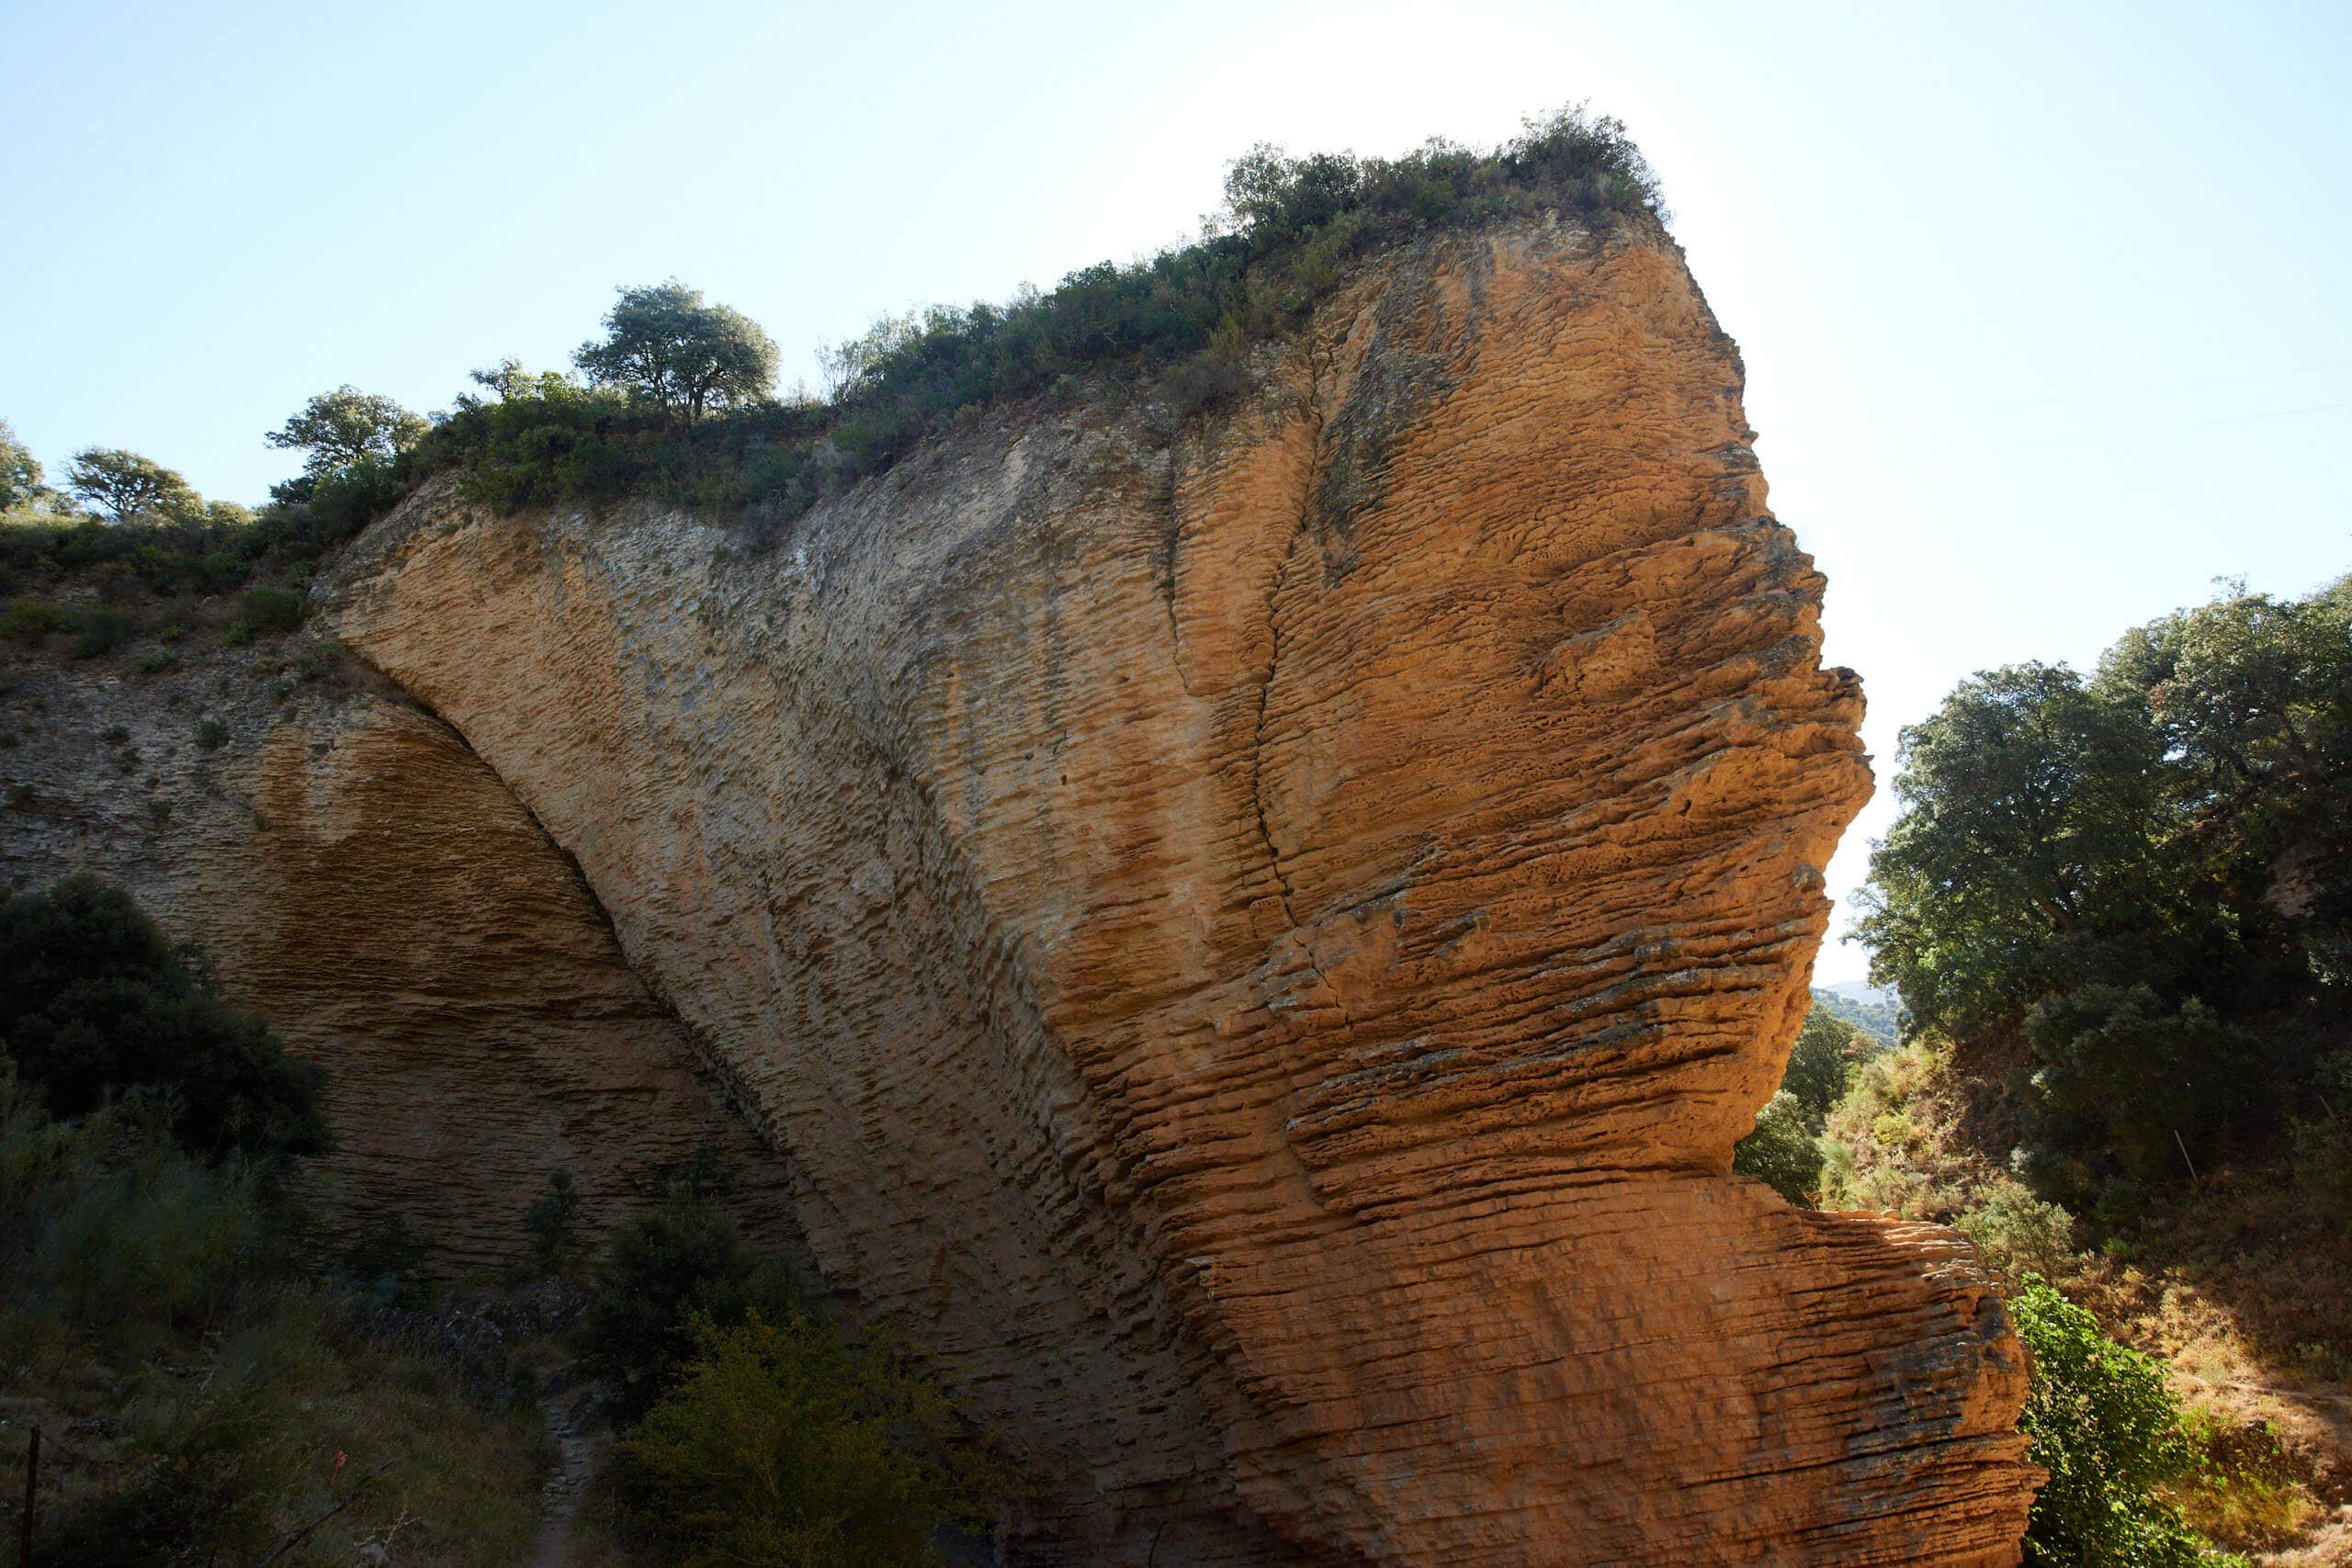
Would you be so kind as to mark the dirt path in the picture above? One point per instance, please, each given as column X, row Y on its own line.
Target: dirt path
column 576, row 1456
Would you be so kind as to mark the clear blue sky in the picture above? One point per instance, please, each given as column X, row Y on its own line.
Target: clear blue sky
column 2044, row 308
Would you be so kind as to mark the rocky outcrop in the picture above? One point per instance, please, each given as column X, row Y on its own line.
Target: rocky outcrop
column 1258, row 946
column 357, row 874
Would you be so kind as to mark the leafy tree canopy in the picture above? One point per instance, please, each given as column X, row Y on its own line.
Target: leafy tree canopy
column 95, row 1001
column 2135, row 889
column 347, row 427
column 663, row 344
column 129, row 488
column 1783, row 1150
column 20, row 475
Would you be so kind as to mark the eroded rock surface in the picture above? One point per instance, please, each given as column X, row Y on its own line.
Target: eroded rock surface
column 1259, row 949
column 360, row 877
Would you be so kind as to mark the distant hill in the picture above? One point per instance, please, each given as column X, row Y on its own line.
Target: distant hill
column 1876, row 1013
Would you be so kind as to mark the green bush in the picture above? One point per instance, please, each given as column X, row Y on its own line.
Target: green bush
column 2100, row 1418
column 101, row 631
column 271, row 612
column 791, row 1446
column 2016, row 1233
column 552, row 1222
column 30, row 621
column 95, row 1001
column 1781, row 1152
column 663, row 1271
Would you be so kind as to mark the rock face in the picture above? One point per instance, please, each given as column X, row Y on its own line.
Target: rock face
column 1258, row 949
column 360, row 877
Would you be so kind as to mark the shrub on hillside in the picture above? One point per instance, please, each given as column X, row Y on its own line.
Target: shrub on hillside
column 2016, row 1233
column 1781, row 1151
column 96, row 1002
column 31, row 621
column 1894, row 1143
column 195, row 1386
column 792, row 1445
column 101, row 631
column 1891, row 1142
column 2101, row 1421
column 664, row 1271
column 270, row 612
column 109, row 1225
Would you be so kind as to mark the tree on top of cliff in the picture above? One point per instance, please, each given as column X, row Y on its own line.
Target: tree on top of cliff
column 664, row 345
column 345, row 427
column 128, row 487
column 21, row 476
column 1179, row 328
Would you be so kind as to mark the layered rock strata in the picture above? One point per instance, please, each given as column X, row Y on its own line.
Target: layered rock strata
column 354, row 871
column 1259, row 945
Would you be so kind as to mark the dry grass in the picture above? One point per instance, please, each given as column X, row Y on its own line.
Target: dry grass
column 2245, row 1293
column 273, row 1405
column 2239, row 1284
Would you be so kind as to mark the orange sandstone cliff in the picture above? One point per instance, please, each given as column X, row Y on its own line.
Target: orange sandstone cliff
column 1257, row 947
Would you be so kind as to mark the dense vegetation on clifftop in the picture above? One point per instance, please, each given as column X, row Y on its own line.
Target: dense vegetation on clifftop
column 675, row 403
column 1175, row 330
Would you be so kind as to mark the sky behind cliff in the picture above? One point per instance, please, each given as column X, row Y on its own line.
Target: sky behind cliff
column 2045, row 318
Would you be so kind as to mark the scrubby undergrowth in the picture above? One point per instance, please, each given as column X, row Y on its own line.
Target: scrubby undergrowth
column 1173, row 334
column 218, row 1381
column 1175, row 330
column 2240, row 1292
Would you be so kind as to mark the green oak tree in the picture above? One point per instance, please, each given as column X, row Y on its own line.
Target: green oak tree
column 2128, row 898
column 664, row 345
column 347, row 427
column 20, row 473
column 129, row 488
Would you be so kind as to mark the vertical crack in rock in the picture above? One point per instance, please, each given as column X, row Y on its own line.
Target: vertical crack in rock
column 1030, row 980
